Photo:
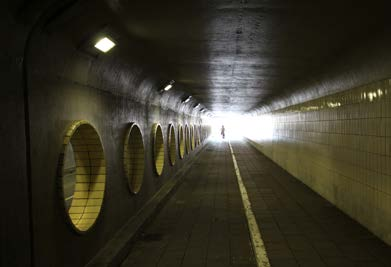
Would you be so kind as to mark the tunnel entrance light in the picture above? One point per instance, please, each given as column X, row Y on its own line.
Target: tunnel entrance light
column 239, row 125
column 104, row 44
column 169, row 86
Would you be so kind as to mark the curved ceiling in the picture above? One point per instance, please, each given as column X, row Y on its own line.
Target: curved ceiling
column 233, row 55
column 237, row 55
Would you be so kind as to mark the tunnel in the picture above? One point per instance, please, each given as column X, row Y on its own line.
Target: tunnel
column 195, row 133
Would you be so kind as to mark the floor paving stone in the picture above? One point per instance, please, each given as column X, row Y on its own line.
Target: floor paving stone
column 203, row 223
column 293, row 218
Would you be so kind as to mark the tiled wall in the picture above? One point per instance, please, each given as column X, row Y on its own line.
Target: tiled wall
column 340, row 146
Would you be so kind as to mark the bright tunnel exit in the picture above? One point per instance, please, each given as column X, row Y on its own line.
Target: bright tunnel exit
column 238, row 126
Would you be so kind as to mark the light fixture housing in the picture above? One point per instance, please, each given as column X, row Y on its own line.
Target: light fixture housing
column 104, row 44
column 187, row 99
column 169, row 86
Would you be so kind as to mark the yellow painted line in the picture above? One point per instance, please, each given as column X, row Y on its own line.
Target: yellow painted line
column 255, row 234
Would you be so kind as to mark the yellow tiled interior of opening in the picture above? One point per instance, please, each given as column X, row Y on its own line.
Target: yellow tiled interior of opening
column 90, row 175
column 181, row 140
column 198, row 135
column 195, row 136
column 172, row 145
column 192, row 137
column 158, row 149
column 340, row 146
column 187, row 139
column 134, row 158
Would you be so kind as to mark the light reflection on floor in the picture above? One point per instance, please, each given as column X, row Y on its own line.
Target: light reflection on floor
column 216, row 137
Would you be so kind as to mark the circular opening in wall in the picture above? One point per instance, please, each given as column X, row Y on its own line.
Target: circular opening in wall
column 187, row 139
column 158, row 148
column 82, row 175
column 192, row 137
column 199, row 137
column 200, row 134
column 196, row 136
column 171, row 144
column 134, row 158
column 181, row 142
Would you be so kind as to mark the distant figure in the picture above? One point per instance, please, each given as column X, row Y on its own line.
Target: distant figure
column 222, row 131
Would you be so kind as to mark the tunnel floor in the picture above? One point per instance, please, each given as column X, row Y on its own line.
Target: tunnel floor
column 204, row 224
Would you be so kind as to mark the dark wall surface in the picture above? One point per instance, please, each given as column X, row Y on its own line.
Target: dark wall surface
column 52, row 77
column 15, row 234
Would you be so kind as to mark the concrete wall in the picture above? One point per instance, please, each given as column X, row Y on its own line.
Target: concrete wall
column 14, row 182
column 340, row 146
column 49, row 82
column 55, row 107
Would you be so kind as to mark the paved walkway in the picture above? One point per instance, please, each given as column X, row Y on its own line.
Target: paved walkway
column 203, row 224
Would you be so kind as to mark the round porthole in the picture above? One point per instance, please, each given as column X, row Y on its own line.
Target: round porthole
column 134, row 158
column 82, row 175
column 200, row 133
column 171, row 144
column 192, row 142
column 196, row 136
column 158, row 148
column 181, row 142
column 187, row 139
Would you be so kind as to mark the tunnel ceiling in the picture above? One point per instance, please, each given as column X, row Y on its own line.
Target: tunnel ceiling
column 238, row 55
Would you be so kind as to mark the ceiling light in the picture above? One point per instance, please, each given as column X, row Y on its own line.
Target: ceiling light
column 104, row 44
column 169, row 86
column 196, row 106
column 187, row 99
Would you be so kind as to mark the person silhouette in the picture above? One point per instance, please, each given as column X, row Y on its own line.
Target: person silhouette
column 223, row 131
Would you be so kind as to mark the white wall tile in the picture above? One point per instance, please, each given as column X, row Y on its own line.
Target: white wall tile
column 340, row 145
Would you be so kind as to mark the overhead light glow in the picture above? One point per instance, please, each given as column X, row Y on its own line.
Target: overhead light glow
column 104, row 44
column 168, row 87
column 238, row 126
column 187, row 99
column 196, row 106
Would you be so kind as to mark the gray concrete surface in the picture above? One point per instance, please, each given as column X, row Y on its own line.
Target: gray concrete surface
column 203, row 224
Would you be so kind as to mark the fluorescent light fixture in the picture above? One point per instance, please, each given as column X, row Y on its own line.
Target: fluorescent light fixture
column 104, row 44
column 187, row 99
column 168, row 87
column 196, row 106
